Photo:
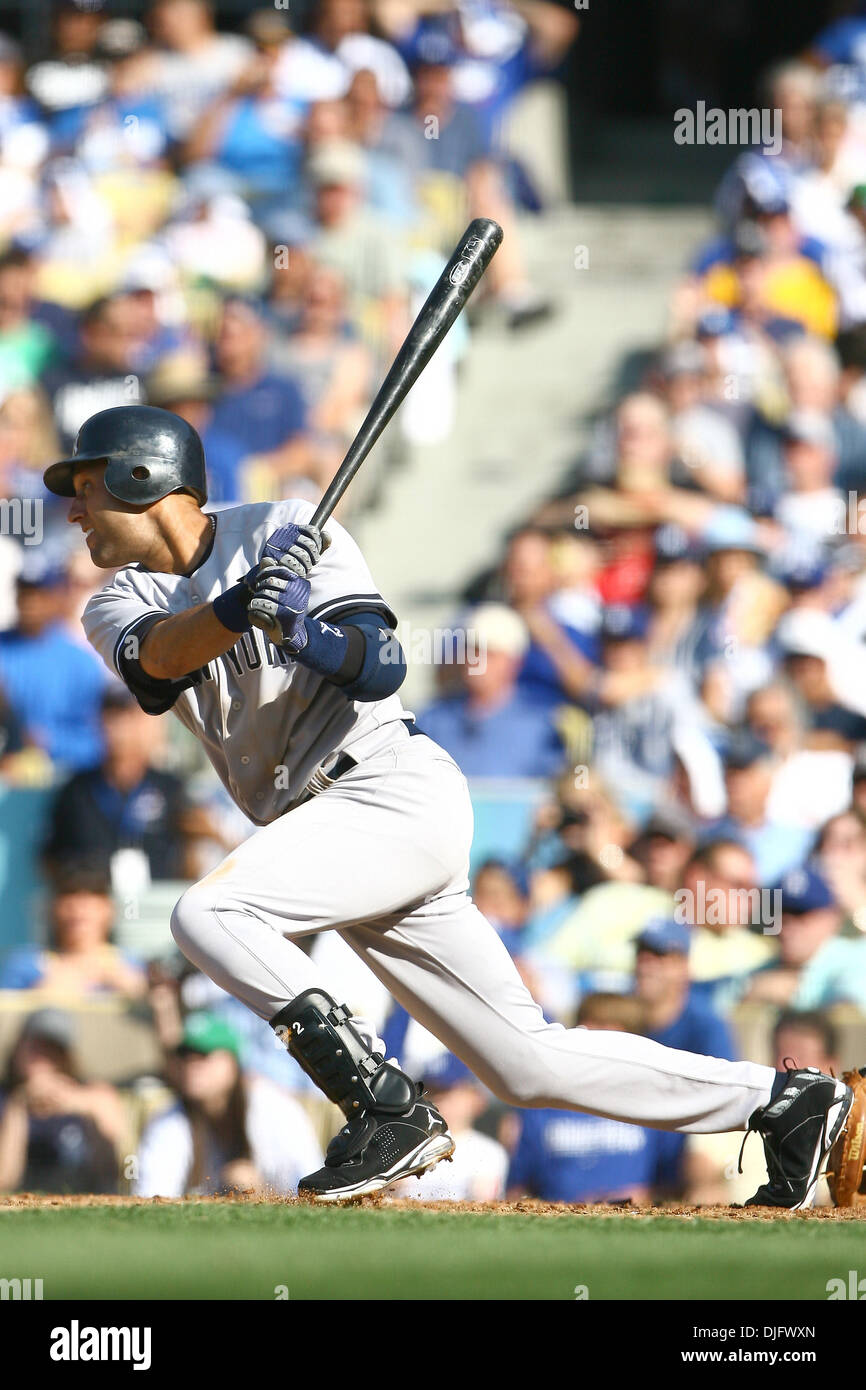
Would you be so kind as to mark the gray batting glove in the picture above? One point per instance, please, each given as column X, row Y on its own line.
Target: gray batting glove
column 297, row 548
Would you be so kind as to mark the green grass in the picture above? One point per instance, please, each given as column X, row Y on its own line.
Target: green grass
column 246, row 1251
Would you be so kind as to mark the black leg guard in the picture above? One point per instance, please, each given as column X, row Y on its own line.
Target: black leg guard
column 319, row 1034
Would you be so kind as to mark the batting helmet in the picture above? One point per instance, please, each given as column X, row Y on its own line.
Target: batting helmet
column 147, row 453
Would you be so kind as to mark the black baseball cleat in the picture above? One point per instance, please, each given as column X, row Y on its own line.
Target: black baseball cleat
column 372, row 1151
column 799, row 1128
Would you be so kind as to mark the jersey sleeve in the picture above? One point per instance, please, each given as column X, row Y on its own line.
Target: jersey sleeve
column 116, row 621
column 342, row 582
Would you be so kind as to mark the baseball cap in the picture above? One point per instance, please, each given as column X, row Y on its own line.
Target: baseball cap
column 806, row 632
column 9, row 50
column 445, row 1071
column 621, row 622
column 268, row 27
column 716, row 323
column 435, row 48
column 40, row 574
column 120, row 38
column 118, row 696
column 673, row 542
column 805, row 890
column 336, row 162
column 731, row 528
column 55, row 1026
column 663, row 825
column 664, row 936
column 179, row 377
column 809, row 427
column 498, row 628
column 750, row 241
column 205, row 1033
column 686, row 358
column 744, row 750
column 802, row 572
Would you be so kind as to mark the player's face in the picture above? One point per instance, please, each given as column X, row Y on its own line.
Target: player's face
column 115, row 532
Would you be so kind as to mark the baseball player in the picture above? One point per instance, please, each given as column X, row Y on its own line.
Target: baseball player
column 364, row 825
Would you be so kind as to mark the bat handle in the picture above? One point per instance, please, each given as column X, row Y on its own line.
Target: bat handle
column 267, row 625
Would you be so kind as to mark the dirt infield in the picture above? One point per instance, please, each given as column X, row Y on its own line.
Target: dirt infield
column 30, row 1201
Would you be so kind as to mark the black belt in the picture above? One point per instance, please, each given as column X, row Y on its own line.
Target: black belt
column 346, row 762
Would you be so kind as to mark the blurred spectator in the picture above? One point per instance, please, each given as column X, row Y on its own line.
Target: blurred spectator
column 182, row 384
column 70, row 76
column 366, row 250
column 715, row 1174
column 675, row 1018
column 27, row 346
column 225, row 1132
column 211, row 237
column 100, row 374
column 567, row 1156
column 840, row 856
column 708, row 447
column 478, row 1170
column 78, row 960
column 495, row 51
column 263, row 410
column 126, row 803
column 638, row 710
column 816, row 967
column 826, row 668
column 661, row 983
column 556, row 665
column 58, row 1133
column 775, row 845
column 493, row 728
column 809, row 783
column 194, row 63
column 127, row 125
column 320, row 65
column 53, row 685
column 734, row 926
column 675, row 590
column 331, row 368
column 811, row 507
column 808, row 1035
column 500, row 891
column 250, row 133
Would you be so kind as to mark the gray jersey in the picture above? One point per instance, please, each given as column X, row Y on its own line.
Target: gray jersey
column 265, row 721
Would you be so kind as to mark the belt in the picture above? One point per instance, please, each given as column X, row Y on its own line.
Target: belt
column 321, row 780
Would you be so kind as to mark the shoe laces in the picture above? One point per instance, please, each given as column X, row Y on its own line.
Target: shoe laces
column 775, row 1171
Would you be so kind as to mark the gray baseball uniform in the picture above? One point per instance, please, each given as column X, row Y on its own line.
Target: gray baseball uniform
column 381, row 855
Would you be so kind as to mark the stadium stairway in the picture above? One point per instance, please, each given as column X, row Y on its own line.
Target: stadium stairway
column 524, row 407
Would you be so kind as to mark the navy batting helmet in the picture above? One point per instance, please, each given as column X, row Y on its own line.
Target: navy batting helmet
column 147, row 453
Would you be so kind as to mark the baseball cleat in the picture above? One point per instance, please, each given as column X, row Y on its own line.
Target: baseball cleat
column 373, row 1151
column 799, row 1128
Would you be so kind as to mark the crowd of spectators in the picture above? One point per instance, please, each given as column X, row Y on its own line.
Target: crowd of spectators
column 678, row 637
column 668, row 658
column 234, row 217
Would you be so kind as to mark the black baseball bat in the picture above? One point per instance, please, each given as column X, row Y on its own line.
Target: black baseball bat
column 472, row 255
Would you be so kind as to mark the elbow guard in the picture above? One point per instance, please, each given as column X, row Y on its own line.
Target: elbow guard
column 362, row 657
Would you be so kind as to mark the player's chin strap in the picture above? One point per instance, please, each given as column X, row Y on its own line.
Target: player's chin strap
column 320, row 1036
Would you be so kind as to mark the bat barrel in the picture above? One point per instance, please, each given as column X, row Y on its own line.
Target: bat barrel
column 446, row 301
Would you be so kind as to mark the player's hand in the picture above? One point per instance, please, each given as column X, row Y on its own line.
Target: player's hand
column 280, row 598
column 297, row 548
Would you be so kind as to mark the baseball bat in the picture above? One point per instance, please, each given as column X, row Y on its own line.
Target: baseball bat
column 446, row 301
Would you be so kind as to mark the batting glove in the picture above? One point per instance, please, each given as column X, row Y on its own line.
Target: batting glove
column 281, row 599
column 297, row 548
